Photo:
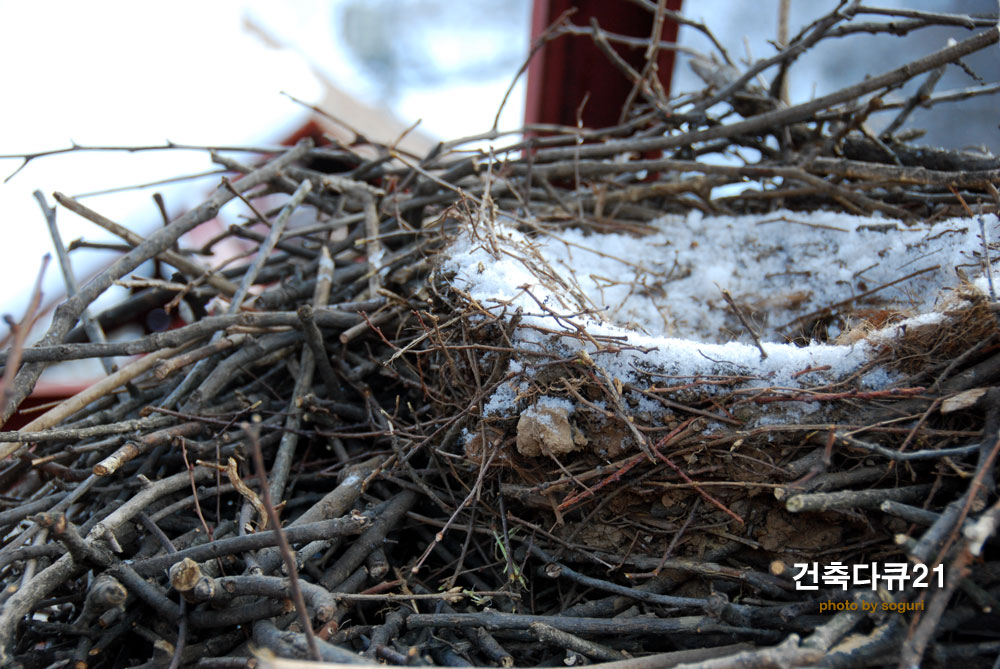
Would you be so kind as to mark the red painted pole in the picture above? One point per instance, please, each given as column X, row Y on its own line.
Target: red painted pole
column 565, row 70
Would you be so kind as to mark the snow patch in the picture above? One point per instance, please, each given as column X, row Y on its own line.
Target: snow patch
column 655, row 302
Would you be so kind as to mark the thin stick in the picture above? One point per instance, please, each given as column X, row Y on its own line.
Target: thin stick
column 650, row 71
column 73, row 148
column 987, row 265
column 781, row 117
column 20, row 331
column 784, row 12
column 51, row 417
column 91, row 326
column 550, row 34
column 68, row 313
column 286, row 551
column 743, row 319
column 171, row 257
column 268, row 245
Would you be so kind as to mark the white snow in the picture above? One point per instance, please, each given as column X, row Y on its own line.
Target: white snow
column 660, row 294
column 548, row 402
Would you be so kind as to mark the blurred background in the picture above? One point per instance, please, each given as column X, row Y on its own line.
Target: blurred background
column 241, row 72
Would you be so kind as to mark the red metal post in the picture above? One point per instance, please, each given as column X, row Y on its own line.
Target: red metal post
column 565, row 70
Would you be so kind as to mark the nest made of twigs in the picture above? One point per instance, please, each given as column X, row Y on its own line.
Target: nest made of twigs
column 460, row 480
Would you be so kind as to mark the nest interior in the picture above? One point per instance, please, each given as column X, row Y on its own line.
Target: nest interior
column 370, row 449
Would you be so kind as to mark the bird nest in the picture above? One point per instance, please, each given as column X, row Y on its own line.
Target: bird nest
column 586, row 397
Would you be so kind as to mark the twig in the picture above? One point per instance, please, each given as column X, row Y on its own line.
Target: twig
column 547, row 633
column 93, row 329
column 286, row 551
column 739, row 314
column 28, row 157
column 85, row 397
column 161, row 240
column 21, row 331
column 189, row 267
column 782, row 117
column 863, row 499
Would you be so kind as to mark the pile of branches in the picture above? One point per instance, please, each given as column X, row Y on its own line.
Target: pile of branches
column 309, row 471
